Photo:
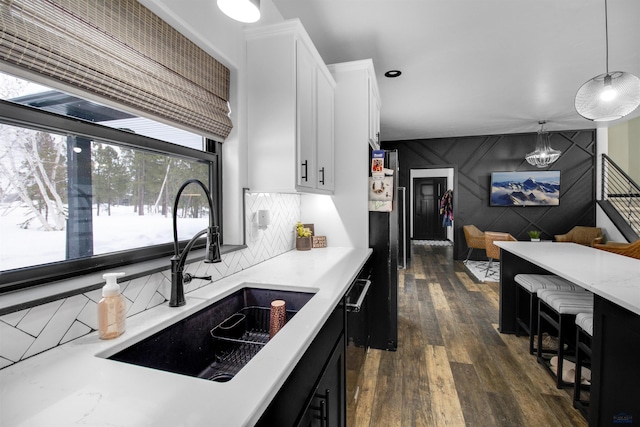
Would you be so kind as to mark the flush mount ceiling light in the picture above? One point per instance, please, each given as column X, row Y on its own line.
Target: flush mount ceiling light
column 544, row 155
column 609, row 96
column 247, row 11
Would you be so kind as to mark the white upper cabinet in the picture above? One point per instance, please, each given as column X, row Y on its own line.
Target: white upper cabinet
column 374, row 112
column 356, row 124
column 290, row 112
column 306, row 121
column 325, row 132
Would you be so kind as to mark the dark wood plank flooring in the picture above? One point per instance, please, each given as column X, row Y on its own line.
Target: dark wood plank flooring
column 452, row 367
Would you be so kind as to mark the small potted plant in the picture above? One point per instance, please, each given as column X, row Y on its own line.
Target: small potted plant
column 534, row 235
column 303, row 237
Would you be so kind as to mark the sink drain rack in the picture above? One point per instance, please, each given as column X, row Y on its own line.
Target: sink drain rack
column 237, row 339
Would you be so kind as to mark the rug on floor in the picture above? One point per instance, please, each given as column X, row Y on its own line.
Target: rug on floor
column 432, row 242
column 479, row 270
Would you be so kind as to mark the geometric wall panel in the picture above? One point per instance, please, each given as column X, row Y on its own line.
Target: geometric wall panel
column 474, row 158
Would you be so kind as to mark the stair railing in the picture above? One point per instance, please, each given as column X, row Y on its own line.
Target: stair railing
column 622, row 192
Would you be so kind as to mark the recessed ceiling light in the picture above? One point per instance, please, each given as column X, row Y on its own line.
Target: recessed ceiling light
column 393, row 73
column 241, row 10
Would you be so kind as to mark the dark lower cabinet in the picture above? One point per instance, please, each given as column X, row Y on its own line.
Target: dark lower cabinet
column 327, row 408
column 314, row 393
column 615, row 380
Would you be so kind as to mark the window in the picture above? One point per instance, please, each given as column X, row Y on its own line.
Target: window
column 75, row 194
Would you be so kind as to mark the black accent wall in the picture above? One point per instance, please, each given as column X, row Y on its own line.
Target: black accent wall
column 474, row 158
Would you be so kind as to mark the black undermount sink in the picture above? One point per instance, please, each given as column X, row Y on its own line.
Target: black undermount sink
column 217, row 341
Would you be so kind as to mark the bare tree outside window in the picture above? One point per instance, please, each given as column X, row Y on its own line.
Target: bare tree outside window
column 125, row 194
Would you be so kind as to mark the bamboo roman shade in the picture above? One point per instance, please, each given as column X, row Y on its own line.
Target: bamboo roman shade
column 120, row 50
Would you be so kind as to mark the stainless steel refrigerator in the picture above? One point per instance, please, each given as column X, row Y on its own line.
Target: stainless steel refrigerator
column 385, row 238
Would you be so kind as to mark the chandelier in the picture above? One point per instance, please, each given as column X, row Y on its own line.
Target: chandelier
column 543, row 155
column 608, row 96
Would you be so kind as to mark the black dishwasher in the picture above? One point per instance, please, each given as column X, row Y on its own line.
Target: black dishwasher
column 358, row 336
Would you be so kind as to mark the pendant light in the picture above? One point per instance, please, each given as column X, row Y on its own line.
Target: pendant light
column 608, row 96
column 247, row 11
column 544, row 155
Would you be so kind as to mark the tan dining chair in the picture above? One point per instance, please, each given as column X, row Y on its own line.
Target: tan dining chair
column 474, row 238
column 493, row 251
column 627, row 249
column 587, row 236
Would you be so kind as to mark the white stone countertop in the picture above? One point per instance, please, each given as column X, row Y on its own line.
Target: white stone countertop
column 614, row 277
column 73, row 385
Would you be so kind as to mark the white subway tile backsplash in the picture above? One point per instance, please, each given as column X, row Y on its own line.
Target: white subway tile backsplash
column 89, row 314
column 14, row 318
column 165, row 286
column 38, row 317
column 131, row 288
column 5, row 362
column 28, row 332
column 76, row 330
column 13, row 342
column 58, row 325
column 145, row 289
column 156, row 300
column 95, row 295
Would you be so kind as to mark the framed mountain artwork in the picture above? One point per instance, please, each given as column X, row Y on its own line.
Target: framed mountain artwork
column 525, row 188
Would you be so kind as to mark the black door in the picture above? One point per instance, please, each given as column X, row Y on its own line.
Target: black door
column 427, row 223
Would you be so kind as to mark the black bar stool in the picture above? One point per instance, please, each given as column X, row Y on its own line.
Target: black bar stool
column 558, row 309
column 528, row 287
column 584, row 334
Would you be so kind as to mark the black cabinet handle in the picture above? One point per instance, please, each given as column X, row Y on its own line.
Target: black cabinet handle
column 323, row 408
column 326, row 409
column 305, row 165
column 322, row 172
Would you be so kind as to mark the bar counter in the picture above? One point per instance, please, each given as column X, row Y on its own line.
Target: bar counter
column 615, row 282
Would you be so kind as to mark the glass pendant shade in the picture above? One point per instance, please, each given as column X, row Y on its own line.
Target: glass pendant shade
column 543, row 155
column 609, row 96
column 247, row 11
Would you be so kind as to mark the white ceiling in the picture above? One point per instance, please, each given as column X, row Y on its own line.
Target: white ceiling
column 475, row 67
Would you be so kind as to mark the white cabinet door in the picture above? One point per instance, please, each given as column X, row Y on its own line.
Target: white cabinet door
column 351, row 146
column 325, row 133
column 306, row 117
column 271, row 113
column 374, row 114
column 290, row 111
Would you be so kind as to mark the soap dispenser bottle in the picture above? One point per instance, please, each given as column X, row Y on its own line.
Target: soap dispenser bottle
column 112, row 308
